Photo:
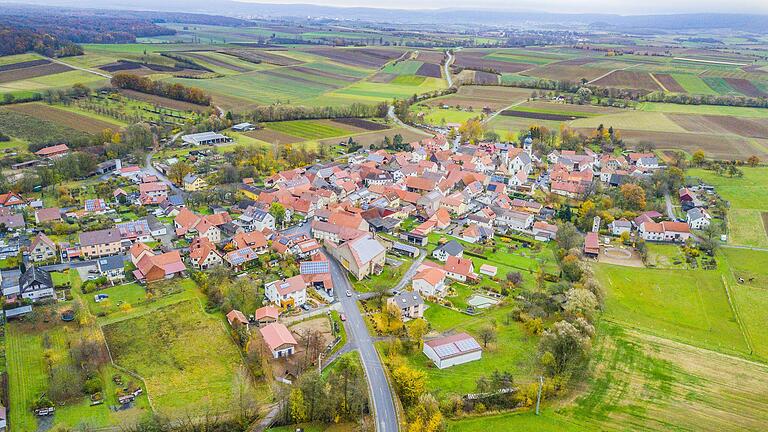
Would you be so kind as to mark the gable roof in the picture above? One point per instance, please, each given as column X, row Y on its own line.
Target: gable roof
column 276, row 335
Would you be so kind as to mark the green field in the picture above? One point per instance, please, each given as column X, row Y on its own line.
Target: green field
column 55, row 81
column 690, row 306
column 174, row 346
column 693, row 84
column 439, row 116
column 718, row 85
column 704, row 109
column 307, row 129
column 407, row 67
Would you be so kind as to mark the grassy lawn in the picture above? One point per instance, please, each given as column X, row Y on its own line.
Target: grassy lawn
column 514, row 351
column 746, row 228
column 174, row 346
column 686, row 305
column 439, row 116
column 121, row 297
column 750, row 297
column 388, row 278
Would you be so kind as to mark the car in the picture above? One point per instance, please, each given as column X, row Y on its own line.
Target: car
column 306, row 307
column 343, row 317
column 93, row 271
column 349, row 293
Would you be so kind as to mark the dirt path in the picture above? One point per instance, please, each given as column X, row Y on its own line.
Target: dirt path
column 101, row 74
column 608, row 73
column 658, row 82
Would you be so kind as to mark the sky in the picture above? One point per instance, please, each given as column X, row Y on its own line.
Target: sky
column 623, row 7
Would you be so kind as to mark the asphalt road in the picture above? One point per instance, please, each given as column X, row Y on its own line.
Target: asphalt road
column 446, row 66
column 358, row 337
column 357, row 334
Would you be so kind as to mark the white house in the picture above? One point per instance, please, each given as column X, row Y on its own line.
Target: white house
column 287, row 292
column 698, row 218
column 430, row 282
column 452, row 248
column 620, row 226
column 453, row 350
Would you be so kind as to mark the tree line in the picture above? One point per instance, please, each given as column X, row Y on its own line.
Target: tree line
column 271, row 113
column 158, row 88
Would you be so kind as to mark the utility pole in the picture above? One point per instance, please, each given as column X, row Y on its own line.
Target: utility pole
column 538, row 397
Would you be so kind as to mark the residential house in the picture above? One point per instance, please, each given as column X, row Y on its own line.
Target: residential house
column 430, row 282
column 278, row 339
column 12, row 200
column 475, row 233
column 255, row 240
column 112, row 267
column 460, row 269
column 203, row 254
column 287, row 293
column 664, row 231
column 194, row 183
column 238, row 259
column 362, row 256
column 698, row 218
column 410, row 304
column 620, row 226
column 151, row 267
column 99, row 243
column 42, row 248
column 52, row 214
column 451, row 248
column 256, row 219
column 452, row 350
column 36, row 284
column 543, row 231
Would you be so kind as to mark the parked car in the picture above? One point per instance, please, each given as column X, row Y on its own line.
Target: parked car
column 349, row 293
column 343, row 317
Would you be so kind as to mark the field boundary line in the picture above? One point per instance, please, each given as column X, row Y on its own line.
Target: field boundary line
column 653, row 77
column 735, row 310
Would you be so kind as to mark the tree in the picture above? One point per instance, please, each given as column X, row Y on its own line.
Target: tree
column 698, row 157
column 634, row 196
column 178, row 171
column 753, row 161
column 566, row 346
column 417, row 328
column 487, row 334
column 515, row 278
column 277, row 211
column 571, row 267
column 471, row 130
column 580, row 302
column 410, row 384
column 709, row 239
column 298, row 409
column 568, row 237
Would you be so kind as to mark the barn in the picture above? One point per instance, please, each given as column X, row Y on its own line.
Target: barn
column 452, row 350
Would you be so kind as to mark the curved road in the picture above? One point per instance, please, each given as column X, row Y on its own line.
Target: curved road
column 447, row 71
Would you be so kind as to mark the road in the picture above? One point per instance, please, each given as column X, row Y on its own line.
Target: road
column 670, row 208
column 358, row 337
column 391, row 115
column 91, row 71
column 149, row 168
column 446, row 66
column 411, row 272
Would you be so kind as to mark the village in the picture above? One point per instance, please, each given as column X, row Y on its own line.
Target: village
column 390, row 237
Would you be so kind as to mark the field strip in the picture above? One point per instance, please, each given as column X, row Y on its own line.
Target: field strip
column 742, row 327
column 653, row 77
column 711, row 61
column 757, row 146
column 646, row 332
column 610, row 72
column 101, row 74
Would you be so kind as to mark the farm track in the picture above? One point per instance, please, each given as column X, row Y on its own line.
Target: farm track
column 653, row 77
column 91, row 71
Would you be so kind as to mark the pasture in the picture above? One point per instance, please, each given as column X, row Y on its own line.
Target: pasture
column 690, row 306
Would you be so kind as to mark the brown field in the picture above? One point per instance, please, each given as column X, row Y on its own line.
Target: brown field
column 216, row 62
column 474, row 60
column 425, row 56
column 579, row 61
column 713, row 124
column 273, row 136
column 378, row 137
column 369, row 58
column 163, row 101
column 324, row 74
column 745, row 87
column 64, row 118
column 723, row 147
column 486, row 78
column 24, row 64
column 539, row 116
column 669, row 82
column 382, row 77
column 628, row 79
column 430, row 70
column 259, row 56
column 494, row 97
column 565, row 72
column 362, row 124
column 32, row 72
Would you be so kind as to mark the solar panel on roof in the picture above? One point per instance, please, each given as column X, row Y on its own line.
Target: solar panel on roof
column 446, row 350
column 467, row 345
column 314, row 267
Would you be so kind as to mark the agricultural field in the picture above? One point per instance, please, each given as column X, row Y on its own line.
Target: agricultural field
column 307, row 129
column 478, row 97
column 67, row 117
column 172, row 347
column 36, row 131
column 652, row 384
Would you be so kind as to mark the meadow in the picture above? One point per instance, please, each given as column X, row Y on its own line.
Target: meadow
column 172, row 347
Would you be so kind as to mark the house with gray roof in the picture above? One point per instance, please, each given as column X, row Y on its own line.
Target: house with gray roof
column 452, row 248
column 36, row 284
column 410, row 303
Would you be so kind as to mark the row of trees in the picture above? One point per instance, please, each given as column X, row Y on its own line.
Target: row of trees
column 172, row 91
column 282, row 112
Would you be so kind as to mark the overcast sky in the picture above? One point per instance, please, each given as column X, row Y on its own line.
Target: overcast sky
column 624, row 7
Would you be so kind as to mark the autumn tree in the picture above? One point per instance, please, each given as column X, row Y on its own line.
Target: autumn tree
column 409, row 383
column 178, row 171
column 471, row 130
column 698, row 157
column 417, row 328
column 487, row 334
column 753, row 161
column 565, row 348
column 634, row 196
column 277, row 211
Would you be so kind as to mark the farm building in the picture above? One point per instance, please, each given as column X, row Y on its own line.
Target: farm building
column 266, row 315
column 452, row 350
column 591, row 245
column 243, row 127
column 235, row 317
column 279, row 340
column 206, row 138
column 53, row 152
